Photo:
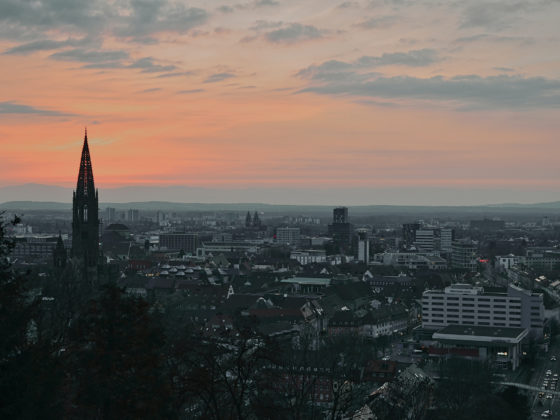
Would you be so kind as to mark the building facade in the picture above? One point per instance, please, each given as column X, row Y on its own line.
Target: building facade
column 463, row 256
column 363, row 245
column 186, row 242
column 464, row 304
column 288, row 235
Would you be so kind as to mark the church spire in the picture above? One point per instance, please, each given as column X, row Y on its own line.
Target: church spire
column 85, row 176
column 85, row 212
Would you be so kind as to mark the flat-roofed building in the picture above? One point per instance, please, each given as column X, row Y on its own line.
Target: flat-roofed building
column 187, row 242
column 305, row 285
column 465, row 304
column 499, row 345
column 425, row 240
column 288, row 235
column 310, row 256
column 216, row 248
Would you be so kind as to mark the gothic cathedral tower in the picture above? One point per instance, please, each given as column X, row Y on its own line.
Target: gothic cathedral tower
column 85, row 221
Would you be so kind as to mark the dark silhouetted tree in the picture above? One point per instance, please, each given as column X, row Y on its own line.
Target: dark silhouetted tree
column 29, row 372
column 115, row 360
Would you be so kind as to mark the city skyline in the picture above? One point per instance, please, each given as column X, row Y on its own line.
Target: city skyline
column 362, row 100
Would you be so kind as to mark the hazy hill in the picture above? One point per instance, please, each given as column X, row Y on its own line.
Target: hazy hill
column 184, row 198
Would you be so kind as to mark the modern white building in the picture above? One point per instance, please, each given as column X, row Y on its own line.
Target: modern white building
column 463, row 255
column 446, row 239
column 309, row 256
column 363, row 245
column 425, row 240
column 508, row 261
column 412, row 260
column 465, row 304
column 499, row 345
column 288, row 235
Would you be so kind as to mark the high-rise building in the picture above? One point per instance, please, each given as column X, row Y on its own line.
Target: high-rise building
column 110, row 214
column 463, row 256
column 133, row 215
column 340, row 229
column 447, row 235
column 85, row 220
column 340, row 215
column 363, row 245
column 409, row 233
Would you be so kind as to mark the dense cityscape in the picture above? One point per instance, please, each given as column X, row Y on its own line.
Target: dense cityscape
column 116, row 312
column 301, row 209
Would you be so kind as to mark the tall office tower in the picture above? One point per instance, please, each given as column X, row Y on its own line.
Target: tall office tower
column 340, row 229
column 133, row 215
column 463, row 255
column 85, row 221
column 447, row 236
column 110, row 215
column 340, row 215
column 409, row 233
column 363, row 245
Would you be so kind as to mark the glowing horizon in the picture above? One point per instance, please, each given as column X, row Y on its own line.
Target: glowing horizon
column 282, row 94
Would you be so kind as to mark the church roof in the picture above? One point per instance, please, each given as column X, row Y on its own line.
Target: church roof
column 117, row 227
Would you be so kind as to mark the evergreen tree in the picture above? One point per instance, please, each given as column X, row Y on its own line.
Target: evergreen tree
column 115, row 360
column 29, row 370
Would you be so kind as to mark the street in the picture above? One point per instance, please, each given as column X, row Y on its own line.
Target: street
column 539, row 378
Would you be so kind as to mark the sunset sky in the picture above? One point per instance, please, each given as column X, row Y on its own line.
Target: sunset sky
column 367, row 99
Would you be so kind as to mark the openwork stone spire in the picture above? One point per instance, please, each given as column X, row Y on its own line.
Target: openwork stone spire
column 85, row 208
column 85, row 176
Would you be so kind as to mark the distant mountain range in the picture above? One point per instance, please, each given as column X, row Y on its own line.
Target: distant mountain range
column 185, row 198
